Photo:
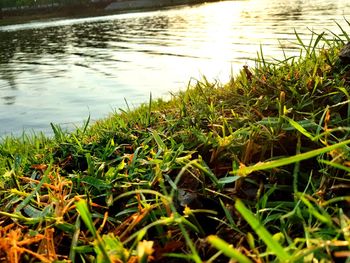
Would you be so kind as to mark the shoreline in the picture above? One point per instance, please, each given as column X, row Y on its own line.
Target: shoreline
column 91, row 10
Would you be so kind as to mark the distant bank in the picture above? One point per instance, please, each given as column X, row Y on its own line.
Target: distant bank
column 90, row 8
column 147, row 4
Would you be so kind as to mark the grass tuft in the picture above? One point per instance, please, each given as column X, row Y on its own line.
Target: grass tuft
column 254, row 170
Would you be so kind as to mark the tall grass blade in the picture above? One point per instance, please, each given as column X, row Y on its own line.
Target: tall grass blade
column 57, row 130
column 318, row 39
column 75, row 239
column 261, row 231
column 229, row 217
column 86, row 124
column 337, row 37
column 299, row 40
column 149, row 110
column 127, row 104
column 345, row 34
column 228, row 250
column 83, row 210
column 336, row 165
column 86, row 216
column 159, row 141
column 27, row 200
column 321, row 216
column 262, row 58
column 246, row 170
column 299, row 128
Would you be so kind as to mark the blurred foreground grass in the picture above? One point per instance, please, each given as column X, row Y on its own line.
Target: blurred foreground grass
column 255, row 170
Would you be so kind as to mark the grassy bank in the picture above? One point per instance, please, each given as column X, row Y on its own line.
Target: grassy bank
column 256, row 170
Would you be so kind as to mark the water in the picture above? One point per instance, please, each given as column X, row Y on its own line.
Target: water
column 64, row 70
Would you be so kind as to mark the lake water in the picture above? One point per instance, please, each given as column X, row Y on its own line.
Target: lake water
column 64, row 70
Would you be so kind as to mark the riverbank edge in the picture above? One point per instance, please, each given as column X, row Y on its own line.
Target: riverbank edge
column 91, row 10
column 176, row 178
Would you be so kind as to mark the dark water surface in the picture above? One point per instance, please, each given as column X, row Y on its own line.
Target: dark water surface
column 61, row 71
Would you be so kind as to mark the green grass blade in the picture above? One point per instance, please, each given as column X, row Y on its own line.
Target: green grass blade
column 229, row 218
column 322, row 217
column 149, row 110
column 84, row 212
column 343, row 31
column 127, row 105
column 318, row 39
column 75, row 239
column 57, row 130
column 141, row 191
column 159, row 141
column 261, row 231
column 86, row 124
column 246, row 170
column 335, row 165
column 86, row 216
column 205, row 168
column 27, row 200
column 195, row 257
column 228, row 250
column 299, row 128
column 337, row 37
column 299, row 40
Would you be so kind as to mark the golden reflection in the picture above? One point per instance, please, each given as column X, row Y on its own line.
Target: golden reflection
column 221, row 29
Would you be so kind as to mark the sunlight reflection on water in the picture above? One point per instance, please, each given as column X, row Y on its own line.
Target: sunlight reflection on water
column 63, row 70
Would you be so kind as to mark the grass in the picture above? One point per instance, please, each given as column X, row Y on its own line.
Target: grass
column 255, row 170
